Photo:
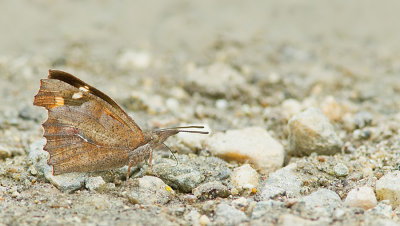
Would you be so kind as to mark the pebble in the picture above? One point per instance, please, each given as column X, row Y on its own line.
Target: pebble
column 252, row 144
column 217, row 79
column 15, row 194
column 221, row 104
column 94, row 183
column 363, row 119
column 182, row 176
column 262, row 208
column 240, row 203
column 193, row 217
column 211, row 190
column 290, row 220
column 388, row 188
column 38, row 157
column 245, row 177
column 282, row 182
column 204, row 220
column 228, row 215
column 67, row 182
column 311, row 131
column 5, row 152
column 322, row 202
column 382, row 209
column 363, row 197
column 290, row 107
column 340, row 170
column 149, row 190
column 134, row 59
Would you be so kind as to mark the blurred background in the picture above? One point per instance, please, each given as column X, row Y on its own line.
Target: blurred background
column 194, row 60
column 227, row 63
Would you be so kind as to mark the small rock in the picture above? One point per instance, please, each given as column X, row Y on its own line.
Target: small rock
column 341, row 170
column 311, row 131
column 290, row 107
column 193, row 217
column 67, row 182
column 245, row 177
column 134, row 59
column 289, row 220
column 323, row 198
column 382, row 209
column 240, row 203
column 388, row 187
column 5, row 152
column 228, row 215
column 282, row 182
column 149, row 190
column 265, row 207
column 204, row 220
column 94, row 183
column 221, row 104
column 253, row 144
column 211, row 190
column 363, row 197
column 181, row 176
column 38, row 157
column 216, row 80
column 362, row 119
column 15, row 194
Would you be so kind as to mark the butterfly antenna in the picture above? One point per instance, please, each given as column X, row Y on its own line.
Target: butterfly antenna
column 182, row 129
column 171, row 153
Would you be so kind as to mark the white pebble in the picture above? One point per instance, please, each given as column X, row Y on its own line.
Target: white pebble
column 363, row 197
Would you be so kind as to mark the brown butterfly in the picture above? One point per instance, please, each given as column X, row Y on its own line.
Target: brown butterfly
column 87, row 131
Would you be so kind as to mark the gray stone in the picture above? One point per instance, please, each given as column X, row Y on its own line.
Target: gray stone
column 94, row 183
column 322, row 198
column 217, row 80
column 228, row 215
column 340, row 170
column 149, row 190
column 311, row 131
column 262, row 208
column 181, row 176
column 38, row 157
column 290, row 220
column 252, row 144
column 67, row 182
column 211, row 190
column 382, row 209
column 282, row 182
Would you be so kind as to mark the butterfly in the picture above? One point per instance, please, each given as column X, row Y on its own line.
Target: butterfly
column 87, row 131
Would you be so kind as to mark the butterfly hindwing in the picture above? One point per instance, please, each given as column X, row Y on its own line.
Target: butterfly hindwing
column 84, row 126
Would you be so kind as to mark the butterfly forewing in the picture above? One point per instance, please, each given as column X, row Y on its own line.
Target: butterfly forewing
column 84, row 126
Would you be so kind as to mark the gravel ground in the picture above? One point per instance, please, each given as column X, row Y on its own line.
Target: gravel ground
column 301, row 98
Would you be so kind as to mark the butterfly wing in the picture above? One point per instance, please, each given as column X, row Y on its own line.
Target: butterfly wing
column 85, row 130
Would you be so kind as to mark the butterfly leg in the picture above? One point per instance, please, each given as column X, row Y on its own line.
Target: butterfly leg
column 137, row 155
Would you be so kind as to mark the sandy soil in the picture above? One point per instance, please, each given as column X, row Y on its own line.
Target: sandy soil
column 340, row 56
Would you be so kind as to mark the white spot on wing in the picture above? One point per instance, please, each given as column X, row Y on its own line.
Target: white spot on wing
column 77, row 95
column 84, row 88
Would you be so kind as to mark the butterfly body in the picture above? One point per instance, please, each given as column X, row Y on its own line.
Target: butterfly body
column 87, row 131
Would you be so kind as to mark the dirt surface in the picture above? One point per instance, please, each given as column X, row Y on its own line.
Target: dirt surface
column 155, row 58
